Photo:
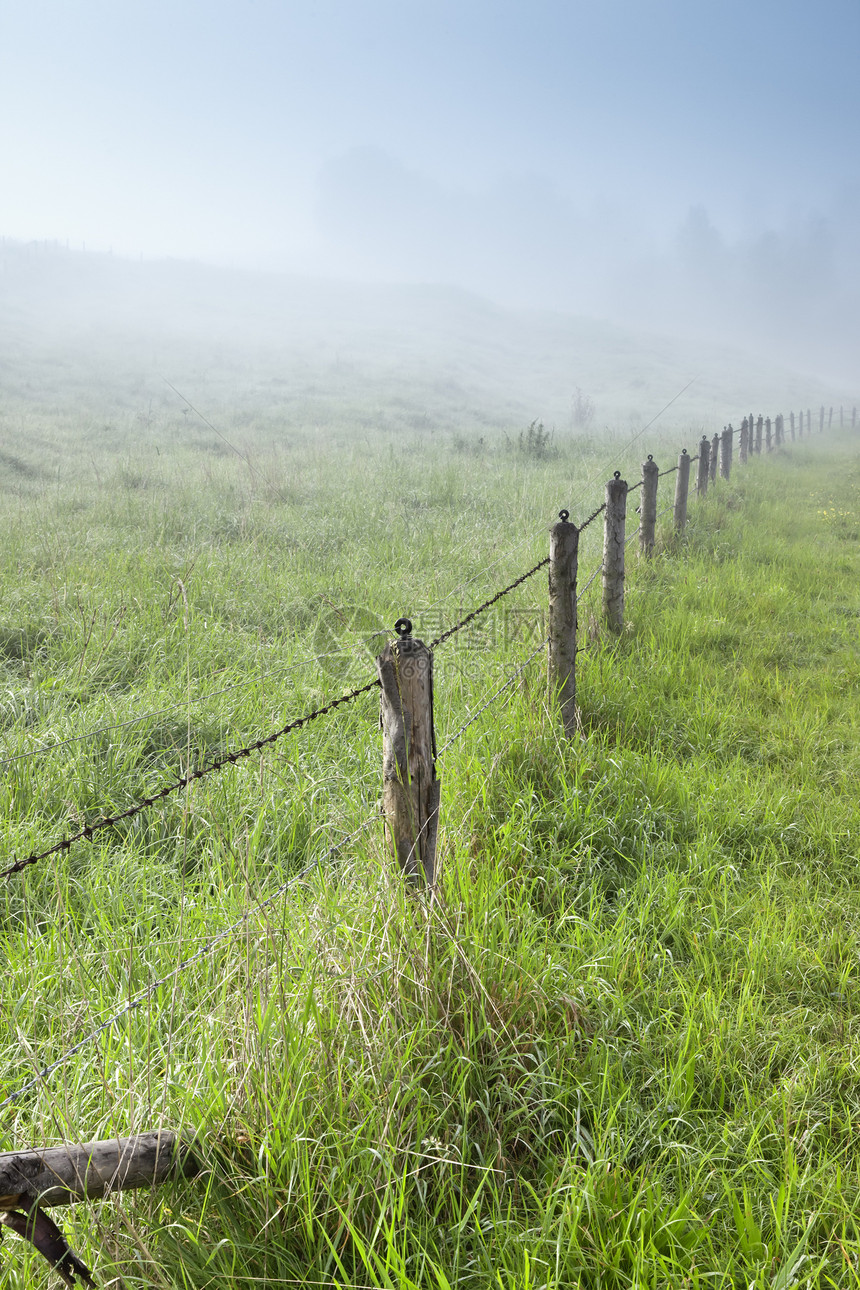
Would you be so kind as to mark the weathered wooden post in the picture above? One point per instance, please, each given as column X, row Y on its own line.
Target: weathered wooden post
column 703, row 470
column 791, row 418
column 615, row 518
column 92, row 1170
column 648, row 506
column 682, row 485
column 809, row 420
column 410, row 789
column 767, row 434
column 64, row 1175
column 726, row 452
column 830, row 418
column 563, row 559
column 744, row 445
column 759, row 427
column 714, row 458
column 821, row 420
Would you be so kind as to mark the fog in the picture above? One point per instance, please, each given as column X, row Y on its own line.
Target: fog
column 671, row 170
column 789, row 289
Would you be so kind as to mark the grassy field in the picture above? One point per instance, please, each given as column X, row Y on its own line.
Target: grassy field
column 622, row 1048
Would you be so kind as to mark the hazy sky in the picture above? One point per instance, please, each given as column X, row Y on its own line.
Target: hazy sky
column 541, row 150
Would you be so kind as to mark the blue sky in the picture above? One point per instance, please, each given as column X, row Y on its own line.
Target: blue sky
column 531, row 150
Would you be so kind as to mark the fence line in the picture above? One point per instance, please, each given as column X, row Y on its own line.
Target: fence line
column 405, row 701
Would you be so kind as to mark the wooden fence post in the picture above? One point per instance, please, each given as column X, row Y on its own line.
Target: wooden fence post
column 800, row 425
column 809, row 420
column 563, row 559
column 410, row 789
column 767, row 435
column 744, row 446
column 830, row 419
column 714, row 458
column 759, row 427
column 703, row 470
column 648, row 505
column 791, row 418
column 726, row 452
column 615, row 518
column 821, row 420
column 682, row 485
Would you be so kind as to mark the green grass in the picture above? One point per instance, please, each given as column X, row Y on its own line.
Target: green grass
column 621, row 1050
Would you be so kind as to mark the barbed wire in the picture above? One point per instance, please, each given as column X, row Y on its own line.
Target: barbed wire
column 598, row 570
column 440, row 640
column 474, row 717
column 141, row 997
column 182, row 782
column 592, row 516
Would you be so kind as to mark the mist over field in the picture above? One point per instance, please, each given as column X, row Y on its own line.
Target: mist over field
column 95, row 338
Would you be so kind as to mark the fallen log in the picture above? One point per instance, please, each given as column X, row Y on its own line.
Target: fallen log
column 71, row 1173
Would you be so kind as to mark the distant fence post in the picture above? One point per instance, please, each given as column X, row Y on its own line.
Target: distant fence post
column 726, row 452
column 809, row 420
column 830, row 419
column 759, row 427
column 615, row 518
column 410, row 789
column 714, row 458
column 800, row 425
column 744, row 446
column 682, row 485
column 791, row 418
column 648, row 506
column 703, row 471
column 821, row 420
column 563, row 559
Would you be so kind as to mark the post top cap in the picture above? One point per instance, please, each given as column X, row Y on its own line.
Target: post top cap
column 403, row 627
